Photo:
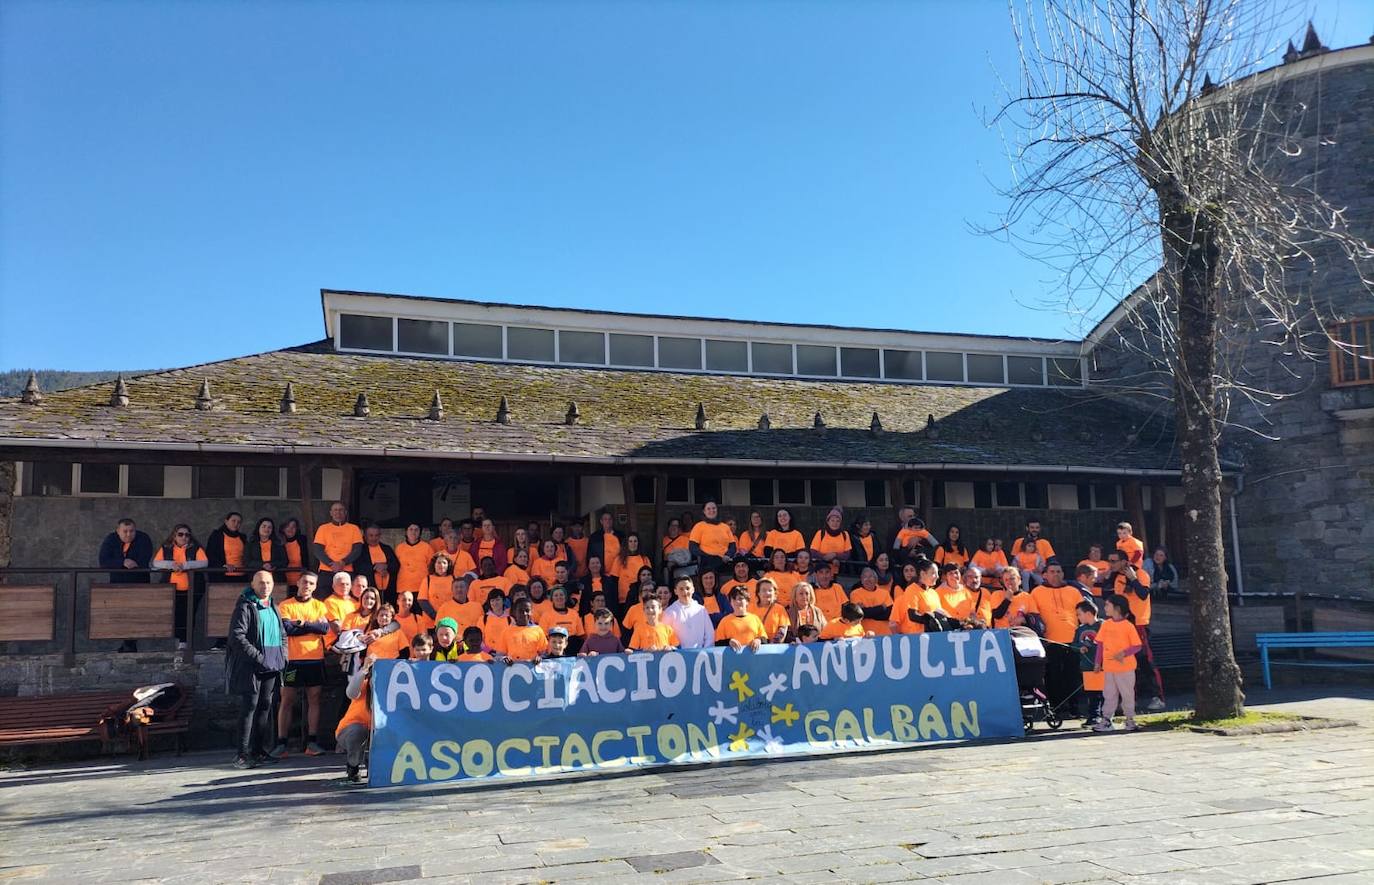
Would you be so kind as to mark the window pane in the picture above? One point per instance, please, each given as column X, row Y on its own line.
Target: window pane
column 760, row 493
column 1106, row 497
column 146, row 480
column 772, row 359
column 365, row 333
column 726, row 356
column 644, row 489
column 937, row 494
column 1085, row 497
column 1008, row 494
column 791, row 491
column 823, row 493
column 815, row 360
column 875, row 493
column 216, row 482
column 51, row 478
column 1037, row 496
column 632, row 350
column 99, row 479
column 1065, row 372
column 529, row 344
column 293, row 483
column 261, row 482
column 679, row 353
column 677, row 489
column 982, row 495
column 1025, row 370
column 582, row 347
column 985, row 369
column 470, row 339
column 859, row 362
column 422, row 336
column 704, row 490
column 904, row 365
column 911, row 491
column 944, row 366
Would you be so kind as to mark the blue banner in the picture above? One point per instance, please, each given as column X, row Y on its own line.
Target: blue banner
column 439, row 721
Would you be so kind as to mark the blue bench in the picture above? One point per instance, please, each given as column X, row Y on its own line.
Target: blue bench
column 1354, row 639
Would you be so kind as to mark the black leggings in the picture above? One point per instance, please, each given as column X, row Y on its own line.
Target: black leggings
column 257, row 715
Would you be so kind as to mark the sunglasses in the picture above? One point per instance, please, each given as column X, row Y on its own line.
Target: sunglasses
column 183, row 534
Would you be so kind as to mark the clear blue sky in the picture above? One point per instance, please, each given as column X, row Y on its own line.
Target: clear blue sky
column 178, row 180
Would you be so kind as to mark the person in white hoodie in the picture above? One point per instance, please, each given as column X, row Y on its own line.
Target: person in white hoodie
column 689, row 618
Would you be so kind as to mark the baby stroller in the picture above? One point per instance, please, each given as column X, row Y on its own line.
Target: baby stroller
column 1029, row 653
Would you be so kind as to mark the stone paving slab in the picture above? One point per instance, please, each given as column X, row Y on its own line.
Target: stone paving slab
column 1071, row 808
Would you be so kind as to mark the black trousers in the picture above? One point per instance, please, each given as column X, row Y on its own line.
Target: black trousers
column 257, row 715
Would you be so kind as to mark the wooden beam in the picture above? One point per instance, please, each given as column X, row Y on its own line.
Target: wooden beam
column 896, row 491
column 1135, row 509
column 1157, row 504
column 307, row 503
column 660, row 516
column 927, row 498
column 627, row 483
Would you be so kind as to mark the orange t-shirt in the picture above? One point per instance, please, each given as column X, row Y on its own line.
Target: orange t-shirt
column 414, row 559
column 1021, row 602
column 829, row 599
column 989, row 563
column 522, row 643
column 789, row 541
column 914, row 596
column 954, row 557
column 907, row 537
column 610, row 552
column 578, row 546
column 436, row 543
column 569, row 620
column 1140, row 608
column 233, row 555
column 1058, row 606
column 1115, row 637
column 359, row 711
column 437, row 590
column 1134, row 550
column 670, row 544
column 628, row 572
column 658, row 637
column 841, row 630
column 714, row 540
column 750, row 585
column 544, row 569
column 485, row 548
column 479, row 590
column 751, row 545
column 467, row 614
column 389, row 646
column 493, row 628
column 775, row 620
column 634, row 616
column 337, row 541
column 744, row 629
column 784, row 581
column 338, row 608
column 516, row 575
column 823, row 542
column 878, row 596
column 462, row 561
column 304, row 646
column 962, row 603
column 479, row 657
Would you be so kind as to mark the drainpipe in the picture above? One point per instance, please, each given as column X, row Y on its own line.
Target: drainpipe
column 1235, row 541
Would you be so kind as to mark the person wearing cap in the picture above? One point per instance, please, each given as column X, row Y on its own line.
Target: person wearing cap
column 558, row 643
column 253, row 665
column 446, row 644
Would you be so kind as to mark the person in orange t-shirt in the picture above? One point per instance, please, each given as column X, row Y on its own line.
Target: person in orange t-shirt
column 742, row 628
column 652, row 634
column 387, row 646
column 1057, row 603
column 305, row 621
column 490, row 580
column 740, row 578
column 462, row 608
column 411, row 619
column 522, row 640
column 1130, row 545
column 918, row 599
column 711, row 541
column 752, row 542
column 876, row 603
column 829, row 597
column 413, row 557
column 441, row 532
column 783, row 536
column 543, row 567
column 850, row 624
column 782, row 576
column 338, row 543
column 774, row 615
column 379, row 561
column 952, row 550
column 629, row 563
column 992, row 561
column 1118, row 643
column 559, row 614
column 831, row 543
column 518, row 572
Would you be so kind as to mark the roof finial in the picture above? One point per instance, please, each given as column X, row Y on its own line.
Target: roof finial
column 436, row 408
column 1291, row 53
column 204, row 402
column 573, row 415
column 1208, row 86
column 32, row 395
column 818, row 422
column 702, row 421
column 765, row 423
column 288, row 399
column 931, row 430
column 361, row 409
column 503, row 412
column 876, row 425
column 120, row 398
column 1311, row 43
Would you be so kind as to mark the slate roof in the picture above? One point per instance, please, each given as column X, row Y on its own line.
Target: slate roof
column 623, row 415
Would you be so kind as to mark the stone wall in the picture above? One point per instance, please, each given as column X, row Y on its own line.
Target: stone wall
column 6, row 509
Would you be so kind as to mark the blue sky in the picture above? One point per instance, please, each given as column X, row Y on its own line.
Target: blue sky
column 178, row 180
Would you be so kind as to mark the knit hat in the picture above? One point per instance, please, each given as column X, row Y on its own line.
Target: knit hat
column 449, row 623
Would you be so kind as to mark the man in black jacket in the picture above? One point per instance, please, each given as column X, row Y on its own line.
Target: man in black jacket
column 126, row 552
column 257, row 655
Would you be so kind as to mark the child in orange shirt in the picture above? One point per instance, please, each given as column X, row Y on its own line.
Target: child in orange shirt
column 522, row 640
column 472, row 647
column 741, row 629
column 649, row 634
column 1117, row 645
column 850, row 624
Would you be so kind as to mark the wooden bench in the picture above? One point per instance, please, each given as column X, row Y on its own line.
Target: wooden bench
column 1333, row 640
column 59, row 719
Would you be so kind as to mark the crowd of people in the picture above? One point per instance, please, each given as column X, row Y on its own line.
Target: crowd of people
column 467, row 594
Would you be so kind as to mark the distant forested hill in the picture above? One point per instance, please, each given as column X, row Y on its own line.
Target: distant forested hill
column 12, row 382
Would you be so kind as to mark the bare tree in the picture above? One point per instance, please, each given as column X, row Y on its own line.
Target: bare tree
column 1130, row 164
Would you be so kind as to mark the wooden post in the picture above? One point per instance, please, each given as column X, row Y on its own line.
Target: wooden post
column 346, row 492
column 627, row 482
column 1157, row 499
column 896, row 492
column 307, row 504
column 927, row 497
column 660, row 515
column 1135, row 508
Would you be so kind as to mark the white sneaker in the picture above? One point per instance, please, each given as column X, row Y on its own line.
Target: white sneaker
column 1103, row 727
column 1156, row 705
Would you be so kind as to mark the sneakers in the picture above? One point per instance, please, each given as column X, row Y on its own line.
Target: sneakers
column 1132, row 726
column 1156, row 705
column 243, row 762
column 314, row 749
column 279, row 750
column 270, row 758
column 353, row 777
column 1103, row 727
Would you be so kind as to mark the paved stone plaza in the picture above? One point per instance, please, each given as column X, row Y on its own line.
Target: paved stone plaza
column 1145, row 808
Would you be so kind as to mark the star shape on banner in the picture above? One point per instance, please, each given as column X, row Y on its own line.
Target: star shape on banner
column 740, row 739
column 720, row 713
column 787, row 715
column 739, row 683
column 771, row 742
column 777, row 682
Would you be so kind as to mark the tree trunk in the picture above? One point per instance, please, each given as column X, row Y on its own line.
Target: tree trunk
column 1191, row 252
